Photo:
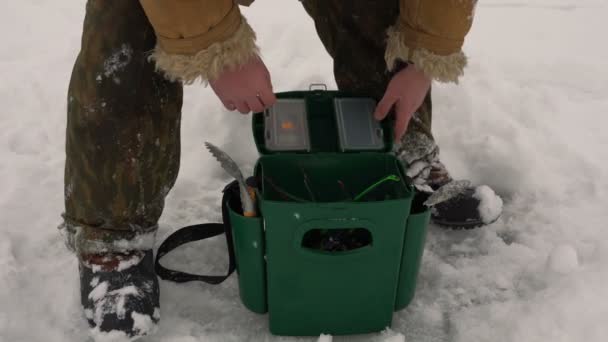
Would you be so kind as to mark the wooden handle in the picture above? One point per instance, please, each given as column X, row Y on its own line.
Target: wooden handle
column 251, row 192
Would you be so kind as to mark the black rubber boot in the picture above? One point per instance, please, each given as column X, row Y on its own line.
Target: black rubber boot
column 463, row 207
column 119, row 294
column 459, row 212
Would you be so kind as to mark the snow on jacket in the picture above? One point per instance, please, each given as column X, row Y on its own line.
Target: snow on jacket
column 199, row 38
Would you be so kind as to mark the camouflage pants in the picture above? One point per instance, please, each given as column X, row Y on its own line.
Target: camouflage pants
column 123, row 127
column 354, row 34
column 123, row 134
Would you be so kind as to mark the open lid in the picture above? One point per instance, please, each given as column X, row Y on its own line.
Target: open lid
column 321, row 121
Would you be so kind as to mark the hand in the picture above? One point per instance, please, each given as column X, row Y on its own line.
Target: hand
column 246, row 88
column 406, row 92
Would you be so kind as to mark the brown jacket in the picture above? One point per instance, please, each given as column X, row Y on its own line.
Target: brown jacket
column 199, row 38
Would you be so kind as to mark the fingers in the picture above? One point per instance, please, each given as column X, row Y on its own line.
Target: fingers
column 404, row 115
column 254, row 99
column 229, row 105
column 261, row 100
column 268, row 79
column 242, row 107
column 264, row 96
column 402, row 111
column 265, row 93
column 255, row 104
column 384, row 107
column 267, row 97
column 246, row 89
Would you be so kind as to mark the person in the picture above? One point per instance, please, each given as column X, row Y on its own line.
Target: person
column 124, row 107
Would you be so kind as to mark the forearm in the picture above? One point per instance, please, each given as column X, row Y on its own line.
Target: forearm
column 199, row 38
column 430, row 34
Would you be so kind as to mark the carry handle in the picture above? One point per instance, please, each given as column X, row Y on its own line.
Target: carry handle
column 317, row 87
column 196, row 233
column 187, row 235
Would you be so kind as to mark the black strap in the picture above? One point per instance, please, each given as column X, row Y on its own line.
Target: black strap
column 196, row 233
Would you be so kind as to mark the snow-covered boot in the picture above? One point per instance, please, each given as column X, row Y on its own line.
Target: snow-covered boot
column 471, row 207
column 456, row 204
column 119, row 294
column 462, row 206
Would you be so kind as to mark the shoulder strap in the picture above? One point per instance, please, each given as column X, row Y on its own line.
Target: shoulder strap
column 196, row 233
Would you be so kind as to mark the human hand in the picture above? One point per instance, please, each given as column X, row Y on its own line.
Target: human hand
column 406, row 92
column 247, row 88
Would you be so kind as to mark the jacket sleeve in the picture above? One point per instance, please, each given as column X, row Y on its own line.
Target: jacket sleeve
column 199, row 38
column 430, row 34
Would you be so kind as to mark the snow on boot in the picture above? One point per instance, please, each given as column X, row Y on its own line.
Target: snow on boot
column 119, row 294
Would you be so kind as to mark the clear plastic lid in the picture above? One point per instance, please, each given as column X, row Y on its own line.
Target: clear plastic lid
column 286, row 126
column 357, row 128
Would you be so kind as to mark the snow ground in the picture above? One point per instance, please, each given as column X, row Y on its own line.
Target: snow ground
column 528, row 119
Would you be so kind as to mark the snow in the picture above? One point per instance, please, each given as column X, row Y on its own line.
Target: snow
column 117, row 300
column 395, row 338
column 99, row 291
column 143, row 324
column 417, row 168
column 94, row 281
column 133, row 260
column 110, row 302
column 140, row 241
column 529, row 119
column 563, row 259
column 490, row 205
column 116, row 62
column 111, row 336
column 448, row 191
column 325, row 338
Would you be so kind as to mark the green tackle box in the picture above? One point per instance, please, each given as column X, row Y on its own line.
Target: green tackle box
column 319, row 180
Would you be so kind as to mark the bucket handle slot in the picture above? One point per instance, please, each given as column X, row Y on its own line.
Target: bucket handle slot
column 365, row 228
column 336, row 240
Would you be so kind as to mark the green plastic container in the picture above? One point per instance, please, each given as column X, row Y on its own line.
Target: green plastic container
column 248, row 236
column 308, row 290
column 413, row 247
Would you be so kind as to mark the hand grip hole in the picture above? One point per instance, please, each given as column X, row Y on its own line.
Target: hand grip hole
column 336, row 239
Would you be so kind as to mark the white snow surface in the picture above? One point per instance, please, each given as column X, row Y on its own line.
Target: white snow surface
column 111, row 336
column 325, row 338
column 563, row 259
column 529, row 119
column 395, row 338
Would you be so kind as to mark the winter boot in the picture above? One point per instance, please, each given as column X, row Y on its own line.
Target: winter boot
column 462, row 206
column 119, row 294
column 456, row 204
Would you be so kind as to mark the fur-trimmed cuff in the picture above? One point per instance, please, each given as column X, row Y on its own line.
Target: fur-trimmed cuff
column 210, row 62
column 439, row 68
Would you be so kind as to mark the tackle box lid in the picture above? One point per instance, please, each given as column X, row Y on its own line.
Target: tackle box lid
column 321, row 121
